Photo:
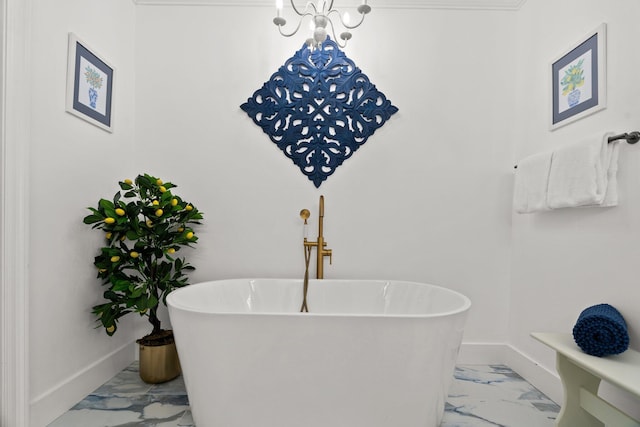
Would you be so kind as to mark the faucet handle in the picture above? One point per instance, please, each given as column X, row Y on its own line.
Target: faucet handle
column 329, row 252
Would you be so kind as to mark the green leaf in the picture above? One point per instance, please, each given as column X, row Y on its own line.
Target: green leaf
column 105, row 204
column 166, row 197
column 121, row 285
column 144, row 181
column 152, row 301
column 110, row 295
column 92, row 219
column 95, row 211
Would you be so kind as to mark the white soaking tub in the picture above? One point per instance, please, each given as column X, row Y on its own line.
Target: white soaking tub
column 368, row 354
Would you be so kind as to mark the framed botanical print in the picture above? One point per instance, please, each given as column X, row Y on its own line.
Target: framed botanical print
column 89, row 85
column 578, row 80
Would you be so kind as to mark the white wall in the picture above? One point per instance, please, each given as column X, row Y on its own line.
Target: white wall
column 567, row 260
column 426, row 198
column 72, row 165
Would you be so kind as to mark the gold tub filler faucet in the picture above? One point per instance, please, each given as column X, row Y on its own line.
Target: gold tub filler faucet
column 321, row 251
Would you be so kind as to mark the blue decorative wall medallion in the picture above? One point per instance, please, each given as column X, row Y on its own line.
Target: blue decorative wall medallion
column 319, row 108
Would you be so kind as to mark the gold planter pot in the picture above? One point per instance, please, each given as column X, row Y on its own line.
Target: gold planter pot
column 159, row 364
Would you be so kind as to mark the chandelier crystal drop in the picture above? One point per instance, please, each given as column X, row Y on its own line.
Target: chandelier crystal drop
column 324, row 18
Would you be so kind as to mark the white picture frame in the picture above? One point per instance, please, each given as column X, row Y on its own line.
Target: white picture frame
column 579, row 79
column 90, row 85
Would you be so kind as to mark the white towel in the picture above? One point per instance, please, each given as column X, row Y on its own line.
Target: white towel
column 584, row 174
column 530, row 187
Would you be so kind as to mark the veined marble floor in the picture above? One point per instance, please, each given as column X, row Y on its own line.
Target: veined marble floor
column 480, row 396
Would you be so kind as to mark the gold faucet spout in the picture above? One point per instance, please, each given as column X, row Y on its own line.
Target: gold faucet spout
column 321, row 219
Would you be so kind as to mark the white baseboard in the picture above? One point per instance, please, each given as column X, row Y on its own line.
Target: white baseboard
column 500, row 353
column 50, row 405
column 540, row 377
column 474, row 353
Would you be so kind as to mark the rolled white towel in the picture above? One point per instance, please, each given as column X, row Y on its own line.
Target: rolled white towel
column 531, row 181
column 584, row 174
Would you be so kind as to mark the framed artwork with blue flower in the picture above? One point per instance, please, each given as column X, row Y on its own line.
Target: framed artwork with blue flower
column 89, row 85
column 578, row 80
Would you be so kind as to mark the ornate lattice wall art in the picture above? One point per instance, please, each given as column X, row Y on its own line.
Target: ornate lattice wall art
column 319, row 108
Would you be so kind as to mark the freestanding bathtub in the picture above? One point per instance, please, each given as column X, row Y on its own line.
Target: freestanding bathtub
column 368, row 353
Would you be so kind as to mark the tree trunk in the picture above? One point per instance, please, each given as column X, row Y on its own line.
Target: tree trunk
column 153, row 319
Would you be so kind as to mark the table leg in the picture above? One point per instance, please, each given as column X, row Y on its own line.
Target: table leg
column 573, row 379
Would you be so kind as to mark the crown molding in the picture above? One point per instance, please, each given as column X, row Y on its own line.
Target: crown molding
column 377, row 4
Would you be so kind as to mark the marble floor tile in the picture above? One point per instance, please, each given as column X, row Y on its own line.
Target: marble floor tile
column 496, row 396
column 481, row 395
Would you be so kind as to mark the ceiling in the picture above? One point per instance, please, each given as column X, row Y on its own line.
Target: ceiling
column 378, row 4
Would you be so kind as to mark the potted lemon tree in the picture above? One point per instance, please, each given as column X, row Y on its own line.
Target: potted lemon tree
column 145, row 226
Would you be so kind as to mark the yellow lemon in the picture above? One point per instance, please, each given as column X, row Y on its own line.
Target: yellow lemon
column 109, row 220
column 189, row 207
column 115, row 258
column 108, row 235
column 128, row 181
column 102, row 270
column 111, row 329
column 171, row 251
column 155, row 203
column 180, row 230
column 149, row 223
column 122, row 238
column 159, row 212
column 174, row 202
column 134, row 254
column 143, row 311
column 120, row 211
column 189, row 235
column 159, row 182
column 162, row 189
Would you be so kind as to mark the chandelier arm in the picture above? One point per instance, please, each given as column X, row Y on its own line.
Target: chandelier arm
column 303, row 13
column 347, row 26
column 294, row 31
column 336, row 39
column 320, row 14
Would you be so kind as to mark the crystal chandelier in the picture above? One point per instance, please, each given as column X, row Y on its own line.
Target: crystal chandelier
column 322, row 14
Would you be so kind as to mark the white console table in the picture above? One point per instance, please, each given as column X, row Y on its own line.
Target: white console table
column 581, row 375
